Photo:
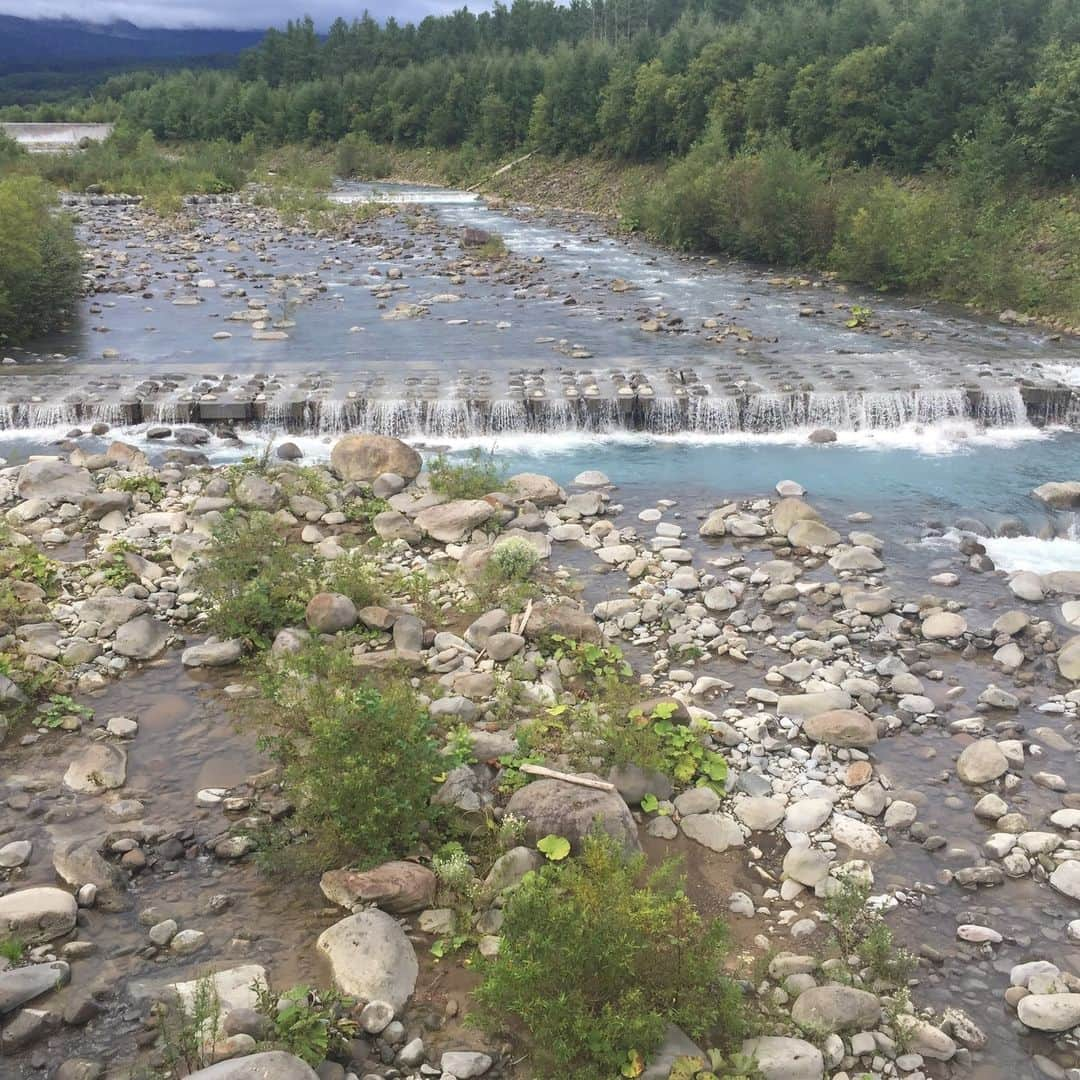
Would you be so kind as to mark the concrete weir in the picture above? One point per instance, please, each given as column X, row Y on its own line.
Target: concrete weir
column 666, row 402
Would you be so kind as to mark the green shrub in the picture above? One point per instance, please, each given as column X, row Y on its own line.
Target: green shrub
column 358, row 762
column 514, row 559
column 595, row 962
column 253, row 579
column 353, row 575
column 470, row 479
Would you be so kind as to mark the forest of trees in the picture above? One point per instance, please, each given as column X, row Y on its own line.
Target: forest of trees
column 894, row 83
column 916, row 144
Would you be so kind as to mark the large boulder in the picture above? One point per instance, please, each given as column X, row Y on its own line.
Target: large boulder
column 55, row 481
column 1049, row 1012
column 535, row 488
column 943, row 625
column 213, row 654
column 569, row 810
column 19, row 985
column 802, row 706
column 371, row 958
column 454, row 521
column 563, row 617
column 257, row 493
column 780, row 1058
column 100, row 767
column 981, row 761
column 837, row 1008
column 109, row 613
column 397, row 887
column 787, row 511
column 1062, row 495
column 365, row 457
column 37, row 915
column 808, row 533
column 327, row 613
column 842, row 728
column 268, row 1065
column 141, row 638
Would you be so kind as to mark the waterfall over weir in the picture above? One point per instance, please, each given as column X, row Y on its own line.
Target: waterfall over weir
column 763, row 413
column 323, row 408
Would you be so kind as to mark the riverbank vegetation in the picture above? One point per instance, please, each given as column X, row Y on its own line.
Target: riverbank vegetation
column 930, row 149
column 40, row 265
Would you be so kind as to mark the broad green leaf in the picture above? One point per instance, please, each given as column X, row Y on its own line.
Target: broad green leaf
column 556, row 848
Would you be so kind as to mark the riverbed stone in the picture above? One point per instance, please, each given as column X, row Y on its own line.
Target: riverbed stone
column 841, row 728
column 80, row 863
column 366, row 457
column 1049, row 1012
column 781, row 1058
column 1068, row 659
column 837, row 1008
column 452, row 522
column 22, row 984
column 213, row 654
column 981, row 761
column 371, row 958
column 560, row 808
column 100, row 767
column 54, row 481
column 329, row 613
column 465, row 1064
column 1066, row 878
column 806, row 865
column 535, row 488
column 759, row 813
column 267, row 1065
column 37, row 914
column 717, row 832
column 142, row 638
column 803, row 706
column 398, row 887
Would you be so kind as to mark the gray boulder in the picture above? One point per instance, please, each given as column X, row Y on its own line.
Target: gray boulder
column 102, row 766
column 38, row 914
column 555, row 807
column 837, row 1008
column 327, row 613
column 371, row 958
column 841, row 728
column 269, row 1065
column 213, row 654
column 257, row 493
column 981, row 761
column 453, row 521
column 142, row 638
column 82, row 864
column 19, row 985
column 367, row 457
column 780, row 1058
column 55, row 481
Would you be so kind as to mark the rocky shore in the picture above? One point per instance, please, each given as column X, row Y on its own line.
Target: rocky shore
column 774, row 645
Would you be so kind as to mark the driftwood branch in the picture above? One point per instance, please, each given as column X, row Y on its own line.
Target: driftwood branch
column 570, row 778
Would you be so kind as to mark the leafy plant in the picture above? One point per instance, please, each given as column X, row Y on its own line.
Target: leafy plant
column 312, row 1024
column 553, row 848
column 57, row 709
column 680, row 750
column 148, row 485
column 596, row 958
column 860, row 317
column 596, row 661
column 861, row 932
column 473, row 478
column 359, row 762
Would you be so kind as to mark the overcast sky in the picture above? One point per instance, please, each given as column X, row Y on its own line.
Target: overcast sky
column 238, row 13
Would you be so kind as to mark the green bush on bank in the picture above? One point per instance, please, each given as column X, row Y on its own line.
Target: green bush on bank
column 359, row 762
column 950, row 234
column 597, row 958
column 40, row 265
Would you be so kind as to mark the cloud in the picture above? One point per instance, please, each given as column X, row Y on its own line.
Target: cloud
column 239, row 14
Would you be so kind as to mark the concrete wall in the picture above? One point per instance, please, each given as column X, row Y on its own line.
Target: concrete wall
column 45, row 137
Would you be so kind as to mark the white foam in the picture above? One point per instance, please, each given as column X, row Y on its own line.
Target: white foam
column 1012, row 554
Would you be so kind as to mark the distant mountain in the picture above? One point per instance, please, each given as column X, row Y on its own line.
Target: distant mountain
column 59, row 44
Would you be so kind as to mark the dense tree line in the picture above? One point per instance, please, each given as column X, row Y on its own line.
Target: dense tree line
column 896, row 83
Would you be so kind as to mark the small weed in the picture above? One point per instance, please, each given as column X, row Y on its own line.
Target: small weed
column 860, row 318
column 12, row 949
column 57, row 709
column 861, row 932
column 189, row 1031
